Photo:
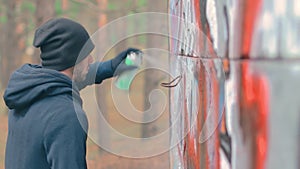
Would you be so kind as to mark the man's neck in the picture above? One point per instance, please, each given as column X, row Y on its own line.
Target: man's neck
column 68, row 72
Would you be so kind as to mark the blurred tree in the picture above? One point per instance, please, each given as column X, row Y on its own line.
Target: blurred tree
column 101, row 92
column 16, row 25
column 44, row 11
column 13, row 42
column 102, row 18
column 65, row 5
column 3, row 20
column 152, row 76
column 148, row 130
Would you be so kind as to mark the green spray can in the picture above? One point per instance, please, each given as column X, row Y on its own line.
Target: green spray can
column 124, row 80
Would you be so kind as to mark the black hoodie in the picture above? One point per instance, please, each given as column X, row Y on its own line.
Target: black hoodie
column 47, row 126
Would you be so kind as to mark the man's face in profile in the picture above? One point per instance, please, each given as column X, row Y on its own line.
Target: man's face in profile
column 81, row 69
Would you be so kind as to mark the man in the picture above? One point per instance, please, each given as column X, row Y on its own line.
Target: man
column 44, row 101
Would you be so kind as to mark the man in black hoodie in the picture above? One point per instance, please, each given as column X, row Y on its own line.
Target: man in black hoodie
column 44, row 101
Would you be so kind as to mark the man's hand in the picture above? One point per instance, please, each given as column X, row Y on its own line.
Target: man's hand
column 118, row 63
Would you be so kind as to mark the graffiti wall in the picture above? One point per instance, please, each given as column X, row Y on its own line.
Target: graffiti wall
column 236, row 101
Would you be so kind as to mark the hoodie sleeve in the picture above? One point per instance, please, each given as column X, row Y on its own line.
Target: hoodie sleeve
column 65, row 141
column 98, row 72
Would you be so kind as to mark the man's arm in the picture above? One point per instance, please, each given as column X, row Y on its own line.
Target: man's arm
column 98, row 72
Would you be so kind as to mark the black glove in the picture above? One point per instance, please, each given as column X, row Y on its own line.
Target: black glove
column 118, row 63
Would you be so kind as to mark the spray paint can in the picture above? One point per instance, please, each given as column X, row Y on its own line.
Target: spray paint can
column 124, row 80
